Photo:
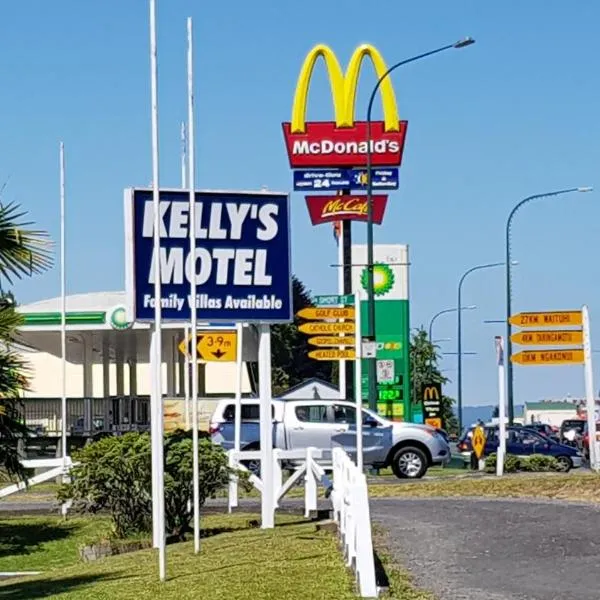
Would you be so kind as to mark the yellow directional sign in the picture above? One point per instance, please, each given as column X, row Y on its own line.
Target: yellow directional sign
column 327, row 328
column 548, row 357
column 331, row 354
column 332, row 340
column 331, row 312
column 478, row 441
column 213, row 346
column 548, row 338
column 564, row 318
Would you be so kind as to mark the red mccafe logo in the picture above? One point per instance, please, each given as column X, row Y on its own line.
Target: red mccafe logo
column 324, row 209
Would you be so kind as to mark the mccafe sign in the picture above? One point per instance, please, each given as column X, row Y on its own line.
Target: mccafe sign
column 348, row 207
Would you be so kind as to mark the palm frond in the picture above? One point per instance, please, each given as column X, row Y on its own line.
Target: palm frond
column 10, row 321
column 23, row 251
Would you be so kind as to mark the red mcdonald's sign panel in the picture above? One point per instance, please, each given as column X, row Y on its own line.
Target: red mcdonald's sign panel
column 350, row 207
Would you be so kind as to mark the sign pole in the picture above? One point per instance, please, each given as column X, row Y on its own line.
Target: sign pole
column 501, row 406
column 157, row 413
column 358, row 382
column 186, row 381
column 194, row 310
column 266, row 427
column 63, row 313
column 341, row 363
column 589, row 389
column 237, row 426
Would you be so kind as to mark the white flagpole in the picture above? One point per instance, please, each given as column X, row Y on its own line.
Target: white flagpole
column 193, row 309
column 157, row 414
column 186, row 329
column 63, row 310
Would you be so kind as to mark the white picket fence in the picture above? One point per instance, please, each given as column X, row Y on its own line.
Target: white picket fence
column 347, row 491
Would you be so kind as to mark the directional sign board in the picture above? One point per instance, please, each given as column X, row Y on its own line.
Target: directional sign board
column 563, row 318
column 478, row 441
column 333, row 299
column 332, row 354
column 327, row 180
column 327, row 328
column 548, row 338
column 326, row 313
column 213, row 346
column 548, row 357
column 332, row 340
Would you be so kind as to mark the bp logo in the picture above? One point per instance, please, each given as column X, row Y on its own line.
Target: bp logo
column 118, row 319
column 383, row 279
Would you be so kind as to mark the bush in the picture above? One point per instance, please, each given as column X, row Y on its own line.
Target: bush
column 511, row 463
column 539, row 463
column 115, row 474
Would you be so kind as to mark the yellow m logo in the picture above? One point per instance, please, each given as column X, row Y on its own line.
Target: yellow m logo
column 343, row 87
column 431, row 393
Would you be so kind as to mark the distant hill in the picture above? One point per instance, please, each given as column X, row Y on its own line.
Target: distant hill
column 471, row 414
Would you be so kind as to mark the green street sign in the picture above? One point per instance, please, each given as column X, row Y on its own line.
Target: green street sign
column 334, row 300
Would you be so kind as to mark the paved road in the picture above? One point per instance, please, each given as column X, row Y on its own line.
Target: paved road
column 472, row 549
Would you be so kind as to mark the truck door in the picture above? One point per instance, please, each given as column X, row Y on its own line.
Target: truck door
column 309, row 425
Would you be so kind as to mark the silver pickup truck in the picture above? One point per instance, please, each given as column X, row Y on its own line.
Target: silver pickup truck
column 408, row 448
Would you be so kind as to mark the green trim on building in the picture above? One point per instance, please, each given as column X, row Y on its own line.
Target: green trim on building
column 550, row 406
column 72, row 318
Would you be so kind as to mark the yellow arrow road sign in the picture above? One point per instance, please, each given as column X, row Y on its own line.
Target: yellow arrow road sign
column 331, row 354
column 548, row 357
column 327, row 328
column 213, row 346
column 565, row 318
column 548, row 338
column 332, row 340
column 330, row 312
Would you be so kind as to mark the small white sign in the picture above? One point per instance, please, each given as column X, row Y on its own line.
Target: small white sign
column 369, row 349
column 385, row 371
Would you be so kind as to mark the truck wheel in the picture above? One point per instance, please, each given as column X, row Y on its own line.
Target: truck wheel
column 409, row 463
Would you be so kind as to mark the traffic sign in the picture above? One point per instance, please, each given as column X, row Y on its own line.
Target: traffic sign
column 565, row 318
column 331, row 354
column 327, row 328
column 548, row 338
column 345, row 179
column 315, row 312
column 213, row 346
column 478, row 441
column 333, row 299
column 332, row 341
column 548, row 357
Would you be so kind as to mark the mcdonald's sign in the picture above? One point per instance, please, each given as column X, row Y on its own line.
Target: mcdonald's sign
column 343, row 142
column 431, row 396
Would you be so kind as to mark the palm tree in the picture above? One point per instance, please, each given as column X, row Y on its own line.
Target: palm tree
column 24, row 252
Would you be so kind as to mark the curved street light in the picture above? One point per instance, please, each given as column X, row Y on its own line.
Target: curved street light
column 509, row 367
column 459, row 351
column 371, row 362
column 444, row 312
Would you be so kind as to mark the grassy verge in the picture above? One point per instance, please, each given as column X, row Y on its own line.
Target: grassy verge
column 293, row 561
column 583, row 487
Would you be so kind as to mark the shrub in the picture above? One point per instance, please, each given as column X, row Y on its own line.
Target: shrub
column 511, row 463
column 539, row 463
column 115, row 474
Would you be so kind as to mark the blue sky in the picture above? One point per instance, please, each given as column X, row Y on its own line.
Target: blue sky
column 513, row 115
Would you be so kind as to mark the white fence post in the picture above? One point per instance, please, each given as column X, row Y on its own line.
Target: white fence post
column 277, row 476
column 232, row 501
column 310, row 485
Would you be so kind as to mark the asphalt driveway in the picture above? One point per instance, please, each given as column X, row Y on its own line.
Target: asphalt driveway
column 471, row 549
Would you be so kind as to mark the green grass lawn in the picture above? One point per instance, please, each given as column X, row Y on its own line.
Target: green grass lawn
column 294, row 561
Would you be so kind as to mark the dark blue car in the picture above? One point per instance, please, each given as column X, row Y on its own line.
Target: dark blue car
column 522, row 441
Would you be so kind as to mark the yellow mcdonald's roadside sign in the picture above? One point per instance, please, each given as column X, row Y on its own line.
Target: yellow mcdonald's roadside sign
column 343, row 142
column 343, row 87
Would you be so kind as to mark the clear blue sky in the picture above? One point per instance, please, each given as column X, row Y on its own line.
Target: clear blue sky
column 514, row 115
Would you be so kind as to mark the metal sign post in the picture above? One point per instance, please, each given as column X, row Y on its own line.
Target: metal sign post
column 589, row 390
column 358, row 384
column 501, row 454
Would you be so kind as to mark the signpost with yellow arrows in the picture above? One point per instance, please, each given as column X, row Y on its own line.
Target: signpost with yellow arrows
column 574, row 332
column 327, row 326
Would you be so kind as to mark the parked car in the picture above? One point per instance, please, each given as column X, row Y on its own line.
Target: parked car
column 571, row 432
column 408, row 448
column 544, row 429
column 523, row 441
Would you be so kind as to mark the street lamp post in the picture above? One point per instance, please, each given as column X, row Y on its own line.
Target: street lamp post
column 508, row 263
column 372, row 364
column 446, row 311
column 459, row 351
